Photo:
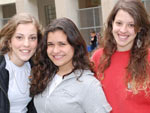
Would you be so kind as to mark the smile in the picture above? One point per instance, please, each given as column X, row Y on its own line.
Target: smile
column 121, row 37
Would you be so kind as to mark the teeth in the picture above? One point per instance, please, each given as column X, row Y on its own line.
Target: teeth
column 123, row 37
column 25, row 51
column 57, row 56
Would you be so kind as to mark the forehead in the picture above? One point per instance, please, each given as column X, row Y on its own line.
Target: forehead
column 124, row 16
column 57, row 35
column 26, row 28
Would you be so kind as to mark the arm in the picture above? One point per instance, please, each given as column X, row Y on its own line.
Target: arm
column 94, row 100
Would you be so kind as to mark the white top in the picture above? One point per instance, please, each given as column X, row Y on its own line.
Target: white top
column 18, row 89
column 47, row 93
column 55, row 82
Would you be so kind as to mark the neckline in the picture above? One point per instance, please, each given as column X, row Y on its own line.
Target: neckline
column 128, row 51
column 14, row 65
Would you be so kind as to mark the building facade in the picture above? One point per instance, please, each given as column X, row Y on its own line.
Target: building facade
column 87, row 14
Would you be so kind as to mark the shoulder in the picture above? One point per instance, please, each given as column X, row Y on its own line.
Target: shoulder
column 97, row 54
column 88, row 79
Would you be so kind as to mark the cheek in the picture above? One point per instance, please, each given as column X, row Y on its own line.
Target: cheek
column 113, row 32
column 48, row 51
column 72, row 52
column 132, row 31
column 115, row 29
column 15, row 45
column 134, row 35
column 34, row 45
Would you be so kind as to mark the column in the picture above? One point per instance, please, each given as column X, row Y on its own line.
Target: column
column 67, row 8
column 29, row 6
column 1, row 17
column 107, row 6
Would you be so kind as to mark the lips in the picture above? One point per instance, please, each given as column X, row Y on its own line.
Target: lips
column 57, row 57
column 25, row 51
column 123, row 37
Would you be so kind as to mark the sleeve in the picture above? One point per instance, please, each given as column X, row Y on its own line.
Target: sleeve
column 96, row 55
column 94, row 100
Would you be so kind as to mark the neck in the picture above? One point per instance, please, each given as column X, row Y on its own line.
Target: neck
column 15, row 61
column 64, row 71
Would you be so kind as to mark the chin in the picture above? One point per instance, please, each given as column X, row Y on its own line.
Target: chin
column 25, row 59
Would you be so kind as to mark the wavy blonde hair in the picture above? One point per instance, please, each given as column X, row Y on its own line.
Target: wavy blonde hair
column 9, row 29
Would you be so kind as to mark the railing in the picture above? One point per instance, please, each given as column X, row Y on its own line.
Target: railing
column 3, row 21
column 90, row 18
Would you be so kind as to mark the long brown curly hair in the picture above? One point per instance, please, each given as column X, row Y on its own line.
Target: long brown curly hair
column 44, row 69
column 138, row 66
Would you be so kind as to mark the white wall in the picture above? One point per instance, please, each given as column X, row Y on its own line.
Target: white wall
column 29, row 6
column 1, row 16
column 67, row 8
column 107, row 6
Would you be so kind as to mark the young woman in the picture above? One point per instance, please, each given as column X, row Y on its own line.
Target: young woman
column 62, row 79
column 123, row 65
column 18, row 42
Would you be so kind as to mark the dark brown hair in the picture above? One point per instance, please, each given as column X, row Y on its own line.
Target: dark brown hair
column 45, row 69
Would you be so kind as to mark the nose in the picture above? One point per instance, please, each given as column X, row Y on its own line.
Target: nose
column 56, row 49
column 123, row 28
column 26, row 42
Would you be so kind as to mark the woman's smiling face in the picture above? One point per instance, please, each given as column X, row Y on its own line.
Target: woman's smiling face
column 59, row 50
column 124, row 30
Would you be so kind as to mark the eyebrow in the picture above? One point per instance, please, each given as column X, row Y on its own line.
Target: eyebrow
column 49, row 42
column 19, row 34
column 22, row 34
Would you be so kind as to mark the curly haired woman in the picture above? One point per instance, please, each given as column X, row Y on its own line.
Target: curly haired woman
column 123, row 64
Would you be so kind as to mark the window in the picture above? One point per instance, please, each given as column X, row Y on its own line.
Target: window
column 50, row 13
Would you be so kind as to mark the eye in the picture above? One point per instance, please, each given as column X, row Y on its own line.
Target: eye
column 118, row 23
column 49, row 44
column 62, row 44
column 19, row 37
column 131, row 25
column 33, row 38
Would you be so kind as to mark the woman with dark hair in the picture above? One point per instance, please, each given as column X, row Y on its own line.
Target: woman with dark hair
column 18, row 43
column 62, row 79
column 123, row 65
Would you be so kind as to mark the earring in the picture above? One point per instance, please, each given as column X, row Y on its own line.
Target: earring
column 139, row 42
